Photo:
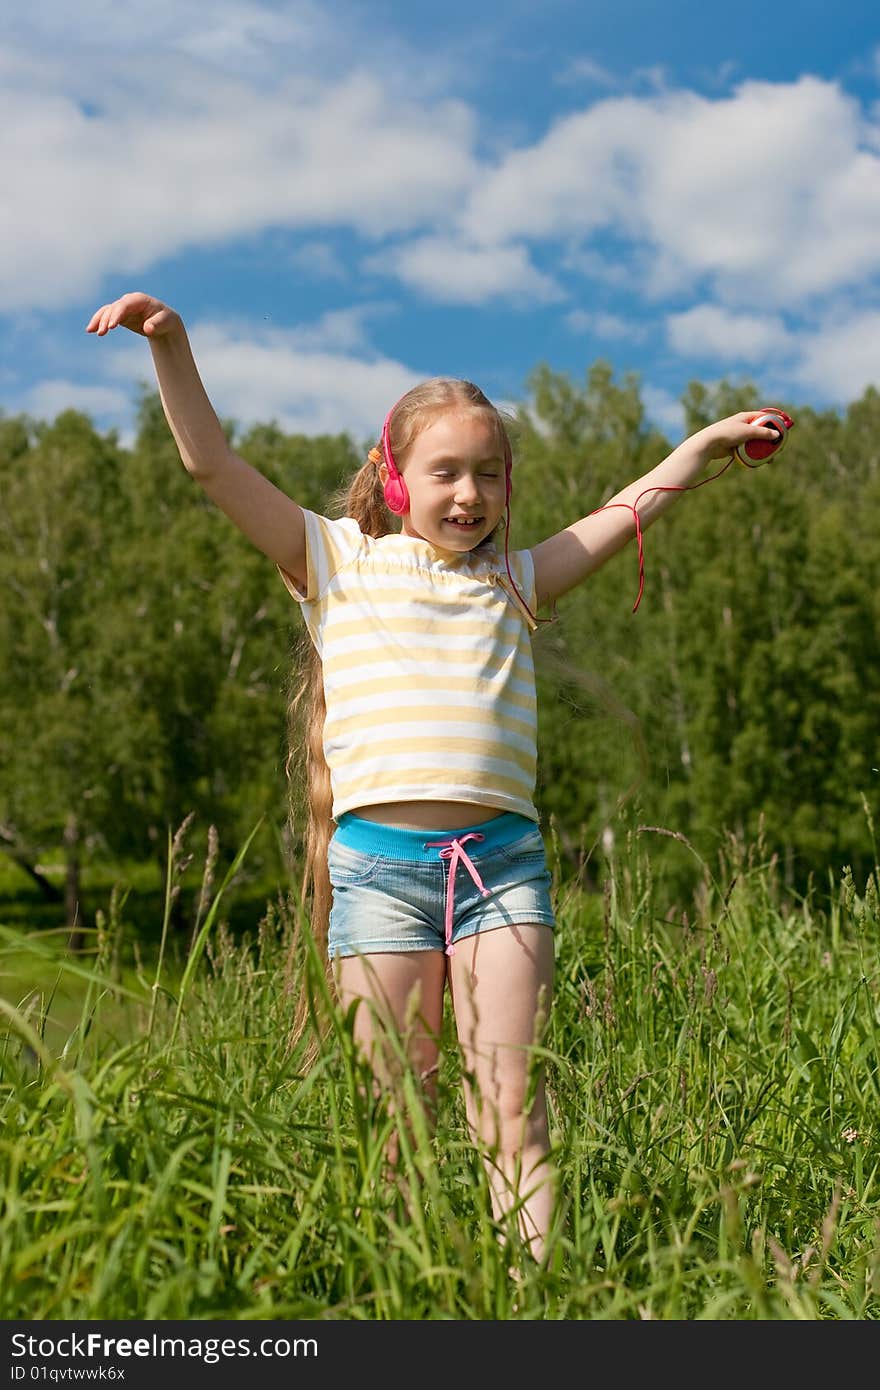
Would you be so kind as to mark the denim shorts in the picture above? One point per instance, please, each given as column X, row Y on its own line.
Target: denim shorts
column 413, row 890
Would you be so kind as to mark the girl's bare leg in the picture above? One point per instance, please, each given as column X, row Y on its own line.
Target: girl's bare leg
column 400, row 997
column 502, row 984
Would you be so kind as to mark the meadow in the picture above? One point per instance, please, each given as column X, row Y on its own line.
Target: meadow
column 167, row 1153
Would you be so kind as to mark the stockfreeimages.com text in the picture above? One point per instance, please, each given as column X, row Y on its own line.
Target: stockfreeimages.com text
column 210, row 1350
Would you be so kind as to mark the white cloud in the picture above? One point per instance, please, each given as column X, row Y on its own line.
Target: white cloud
column 771, row 194
column 237, row 35
column 460, row 273
column 310, row 380
column 151, row 171
column 614, row 327
column 270, row 377
column 709, row 330
column 584, row 70
column 835, row 356
column 841, row 357
column 49, row 398
column 337, row 330
column 319, row 261
column 241, row 36
column 567, row 184
column 610, row 272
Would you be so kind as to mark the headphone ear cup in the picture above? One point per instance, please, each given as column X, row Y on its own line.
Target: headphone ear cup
column 396, row 495
column 757, row 451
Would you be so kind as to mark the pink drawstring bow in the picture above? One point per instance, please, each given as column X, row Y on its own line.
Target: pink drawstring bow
column 453, row 851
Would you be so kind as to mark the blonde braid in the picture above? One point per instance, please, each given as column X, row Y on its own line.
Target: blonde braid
column 306, row 764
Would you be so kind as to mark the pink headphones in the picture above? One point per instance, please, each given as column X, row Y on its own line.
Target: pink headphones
column 395, row 490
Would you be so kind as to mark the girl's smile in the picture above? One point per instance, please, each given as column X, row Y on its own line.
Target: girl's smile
column 464, row 523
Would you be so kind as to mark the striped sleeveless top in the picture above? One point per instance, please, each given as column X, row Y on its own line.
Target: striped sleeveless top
column 427, row 664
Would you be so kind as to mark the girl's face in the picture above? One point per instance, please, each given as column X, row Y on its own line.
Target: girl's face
column 454, row 475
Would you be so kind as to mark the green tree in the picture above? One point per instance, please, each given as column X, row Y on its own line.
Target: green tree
column 148, row 644
column 62, row 499
column 745, row 675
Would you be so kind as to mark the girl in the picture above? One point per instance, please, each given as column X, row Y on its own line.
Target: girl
column 421, row 754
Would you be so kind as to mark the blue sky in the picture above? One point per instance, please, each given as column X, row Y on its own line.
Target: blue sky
column 343, row 198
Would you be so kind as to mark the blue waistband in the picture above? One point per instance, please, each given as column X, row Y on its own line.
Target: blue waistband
column 369, row 837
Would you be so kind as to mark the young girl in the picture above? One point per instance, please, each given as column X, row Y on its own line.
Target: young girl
column 422, row 751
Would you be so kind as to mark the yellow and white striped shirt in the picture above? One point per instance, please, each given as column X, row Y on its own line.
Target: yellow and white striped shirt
column 428, row 672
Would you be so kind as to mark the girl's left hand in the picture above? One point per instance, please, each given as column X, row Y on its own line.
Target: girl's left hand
column 724, row 436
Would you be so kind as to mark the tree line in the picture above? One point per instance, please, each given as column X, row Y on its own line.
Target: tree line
column 147, row 648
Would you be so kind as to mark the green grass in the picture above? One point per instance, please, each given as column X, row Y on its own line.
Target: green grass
column 713, row 1082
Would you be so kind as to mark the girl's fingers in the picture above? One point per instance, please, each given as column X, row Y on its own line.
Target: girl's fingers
column 124, row 311
column 94, row 324
column 103, row 319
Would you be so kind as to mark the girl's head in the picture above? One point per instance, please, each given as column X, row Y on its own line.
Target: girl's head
column 444, row 463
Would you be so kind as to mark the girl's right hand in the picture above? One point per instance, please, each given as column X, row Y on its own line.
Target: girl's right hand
column 138, row 312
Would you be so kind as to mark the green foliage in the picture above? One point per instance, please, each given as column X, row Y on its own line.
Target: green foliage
column 147, row 646
column 739, row 697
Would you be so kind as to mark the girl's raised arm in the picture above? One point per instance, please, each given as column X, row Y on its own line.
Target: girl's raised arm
column 266, row 515
column 563, row 560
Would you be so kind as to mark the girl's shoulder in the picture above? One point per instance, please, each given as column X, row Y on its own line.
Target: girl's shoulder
column 331, row 544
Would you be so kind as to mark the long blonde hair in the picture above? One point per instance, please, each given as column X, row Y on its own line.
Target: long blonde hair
column 306, row 766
